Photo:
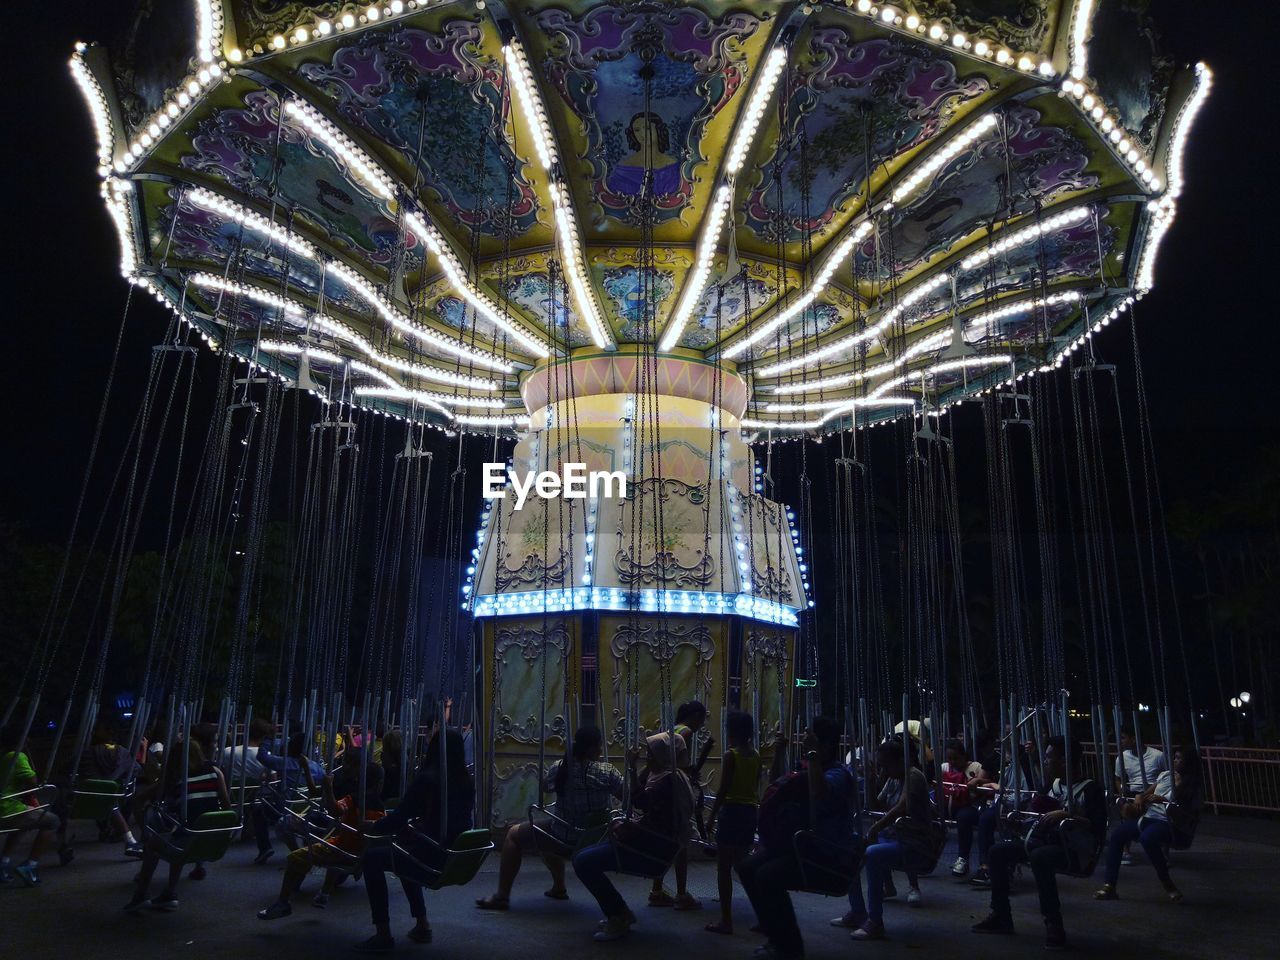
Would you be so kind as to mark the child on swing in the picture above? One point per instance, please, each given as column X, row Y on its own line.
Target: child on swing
column 734, row 811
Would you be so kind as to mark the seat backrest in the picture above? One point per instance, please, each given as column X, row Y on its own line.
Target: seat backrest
column 209, row 847
column 95, row 799
column 466, row 855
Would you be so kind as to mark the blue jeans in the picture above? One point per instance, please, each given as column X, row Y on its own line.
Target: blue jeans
column 377, row 862
column 1154, row 835
column 766, row 877
column 879, row 860
column 593, row 864
column 1046, row 863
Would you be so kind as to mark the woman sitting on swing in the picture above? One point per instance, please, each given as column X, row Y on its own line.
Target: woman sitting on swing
column 440, row 799
column 1162, row 816
column 645, row 847
column 585, row 789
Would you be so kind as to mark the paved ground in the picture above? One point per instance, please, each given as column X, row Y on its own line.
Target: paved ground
column 1231, row 885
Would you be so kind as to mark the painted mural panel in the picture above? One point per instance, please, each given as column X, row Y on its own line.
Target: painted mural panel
column 599, row 64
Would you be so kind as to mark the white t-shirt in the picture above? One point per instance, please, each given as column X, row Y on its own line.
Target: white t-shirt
column 232, row 758
column 1129, row 770
column 1164, row 792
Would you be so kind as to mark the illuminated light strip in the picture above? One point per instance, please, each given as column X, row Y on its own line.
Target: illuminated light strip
column 153, row 129
column 1019, row 237
column 848, row 406
column 1023, row 306
column 121, row 211
column 257, row 294
column 941, row 157
column 457, row 279
column 369, row 370
column 937, row 32
column 1081, row 18
column 1113, row 130
column 828, row 270
column 649, row 600
column 208, row 29
column 404, row 393
column 486, row 420
column 360, row 163
column 932, row 342
column 98, row 110
column 296, row 349
column 583, row 297
column 743, row 138
column 343, row 332
column 702, row 269
column 402, row 323
column 1182, row 127
column 755, row 109
column 530, row 104
column 208, row 200
column 917, row 294
column 535, row 116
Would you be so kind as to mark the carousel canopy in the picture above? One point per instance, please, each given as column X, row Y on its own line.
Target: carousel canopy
column 859, row 209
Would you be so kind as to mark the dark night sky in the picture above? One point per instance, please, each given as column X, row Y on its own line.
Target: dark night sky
column 1208, row 338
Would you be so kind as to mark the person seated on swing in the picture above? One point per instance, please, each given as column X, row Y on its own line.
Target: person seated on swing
column 819, row 798
column 734, row 810
column 107, row 760
column 204, row 789
column 439, row 803
column 1134, row 774
column 1043, row 847
column 344, row 841
column 902, row 839
column 969, row 801
column 997, row 794
column 691, row 717
column 293, row 771
column 585, row 788
column 644, row 847
column 392, row 771
column 1162, row 816
column 22, row 812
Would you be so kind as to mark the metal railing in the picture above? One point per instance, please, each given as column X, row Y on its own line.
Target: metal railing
column 1235, row 778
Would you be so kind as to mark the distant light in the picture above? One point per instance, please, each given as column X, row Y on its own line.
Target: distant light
column 1245, row 696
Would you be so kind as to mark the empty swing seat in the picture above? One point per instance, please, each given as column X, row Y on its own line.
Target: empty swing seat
column 824, row 868
column 654, row 862
column 205, row 841
column 95, row 799
column 558, row 837
column 425, row 861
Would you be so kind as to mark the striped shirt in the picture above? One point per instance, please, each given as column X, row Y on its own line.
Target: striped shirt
column 590, row 790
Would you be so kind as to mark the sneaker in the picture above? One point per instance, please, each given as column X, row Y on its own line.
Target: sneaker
column 375, row 944
column 1173, row 893
column 615, row 928
column 320, row 900
column 626, row 915
column 850, row 920
column 913, row 897
column 137, row 903
column 6, row 873
column 686, row 901
column 198, row 872
column 890, row 891
column 420, row 934
column 960, row 868
column 995, row 923
column 981, row 878
column 1055, row 937
column 1126, row 860
column 871, row 930
column 28, row 874
column 165, row 902
column 275, row 911
column 265, row 855
column 1108, row 892
column 660, row 898
column 133, row 850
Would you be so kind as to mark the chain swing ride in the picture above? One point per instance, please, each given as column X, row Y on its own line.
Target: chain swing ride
column 686, row 241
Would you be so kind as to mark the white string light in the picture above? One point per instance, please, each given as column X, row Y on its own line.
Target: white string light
column 829, row 267
column 1081, row 18
column 448, row 399
column 208, row 29
column 941, row 157
column 1019, row 237
column 755, row 109
column 211, row 282
column 701, row 272
column 208, row 200
column 890, row 316
column 535, row 116
column 91, row 90
column 359, row 163
column 439, row 375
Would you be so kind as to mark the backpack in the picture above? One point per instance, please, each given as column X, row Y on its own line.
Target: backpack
column 784, row 811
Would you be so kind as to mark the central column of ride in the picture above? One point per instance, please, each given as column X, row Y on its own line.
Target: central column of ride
column 612, row 609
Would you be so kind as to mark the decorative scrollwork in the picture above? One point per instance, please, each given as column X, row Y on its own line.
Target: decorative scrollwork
column 665, row 570
column 533, row 572
column 662, row 643
column 771, row 583
column 533, row 644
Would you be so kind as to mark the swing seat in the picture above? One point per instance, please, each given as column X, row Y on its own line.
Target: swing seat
column 559, row 838
column 655, row 864
column 95, row 799
column 457, row 864
column 1073, row 834
column 937, row 842
column 205, row 841
column 8, row 823
column 825, row 869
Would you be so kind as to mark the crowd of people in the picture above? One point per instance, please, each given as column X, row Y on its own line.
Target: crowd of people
column 797, row 826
